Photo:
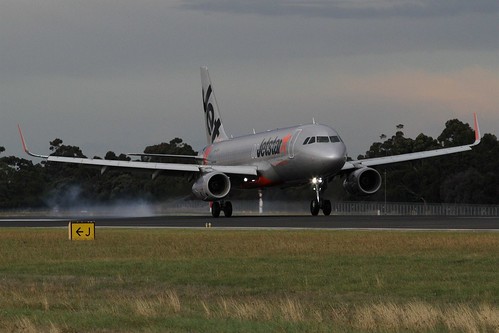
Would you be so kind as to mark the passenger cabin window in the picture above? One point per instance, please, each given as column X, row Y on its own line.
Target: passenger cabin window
column 322, row 139
column 306, row 141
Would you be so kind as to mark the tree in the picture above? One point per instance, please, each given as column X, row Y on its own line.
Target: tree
column 168, row 186
column 67, row 151
column 456, row 133
column 441, row 179
column 21, row 183
column 112, row 156
column 174, row 147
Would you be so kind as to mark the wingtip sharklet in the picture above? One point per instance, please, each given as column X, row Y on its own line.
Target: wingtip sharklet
column 25, row 147
column 22, row 139
column 477, row 130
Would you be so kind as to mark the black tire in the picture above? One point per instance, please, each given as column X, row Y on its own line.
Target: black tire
column 228, row 209
column 215, row 209
column 326, row 207
column 314, row 207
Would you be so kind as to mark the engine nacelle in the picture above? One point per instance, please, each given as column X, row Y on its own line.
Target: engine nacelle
column 211, row 186
column 364, row 181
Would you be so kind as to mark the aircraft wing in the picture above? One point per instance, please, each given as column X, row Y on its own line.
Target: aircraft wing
column 413, row 156
column 249, row 170
column 228, row 169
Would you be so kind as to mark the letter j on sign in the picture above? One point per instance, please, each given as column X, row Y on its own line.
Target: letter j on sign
column 81, row 230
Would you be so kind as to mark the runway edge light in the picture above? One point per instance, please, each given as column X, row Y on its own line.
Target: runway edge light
column 81, row 230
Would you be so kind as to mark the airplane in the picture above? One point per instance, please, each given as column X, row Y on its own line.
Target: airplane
column 292, row 156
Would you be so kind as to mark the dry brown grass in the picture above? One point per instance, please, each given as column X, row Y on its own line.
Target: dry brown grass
column 252, row 309
column 420, row 316
column 382, row 316
column 390, row 316
column 165, row 303
column 286, row 309
column 173, row 301
column 291, row 310
column 465, row 319
column 26, row 325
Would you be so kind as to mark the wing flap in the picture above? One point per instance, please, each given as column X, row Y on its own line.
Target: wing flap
column 185, row 157
column 250, row 170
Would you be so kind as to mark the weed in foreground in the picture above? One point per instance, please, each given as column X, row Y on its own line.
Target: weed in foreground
column 419, row 316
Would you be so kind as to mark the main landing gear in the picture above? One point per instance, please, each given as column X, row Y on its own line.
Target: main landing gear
column 219, row 206
column 319, row 186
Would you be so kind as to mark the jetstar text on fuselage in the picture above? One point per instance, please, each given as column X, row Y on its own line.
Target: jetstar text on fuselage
column 271, row 146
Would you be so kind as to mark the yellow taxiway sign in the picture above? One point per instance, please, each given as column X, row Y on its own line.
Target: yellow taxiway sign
column 81, row 230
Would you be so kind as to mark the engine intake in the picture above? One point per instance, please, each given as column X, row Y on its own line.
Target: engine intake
column 364, row 181
column 211, row 186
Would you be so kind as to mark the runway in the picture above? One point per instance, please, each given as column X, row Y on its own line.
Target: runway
column 269, row 222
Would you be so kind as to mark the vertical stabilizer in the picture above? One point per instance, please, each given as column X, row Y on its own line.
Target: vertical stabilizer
column 214, row 128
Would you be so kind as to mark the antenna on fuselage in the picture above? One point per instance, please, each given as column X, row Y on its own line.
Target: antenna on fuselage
column 313, row 120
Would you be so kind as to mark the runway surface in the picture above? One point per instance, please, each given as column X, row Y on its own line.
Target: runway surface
column 284, row 222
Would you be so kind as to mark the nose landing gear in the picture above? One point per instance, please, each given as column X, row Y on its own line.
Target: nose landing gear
column 319, row 186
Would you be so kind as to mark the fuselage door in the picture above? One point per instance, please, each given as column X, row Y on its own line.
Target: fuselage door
column 291, row 143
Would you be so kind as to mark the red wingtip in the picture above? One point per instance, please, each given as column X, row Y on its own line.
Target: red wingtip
column 25, row 148
column 477, row 129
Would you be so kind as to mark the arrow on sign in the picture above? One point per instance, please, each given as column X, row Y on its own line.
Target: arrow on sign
column 79, row 231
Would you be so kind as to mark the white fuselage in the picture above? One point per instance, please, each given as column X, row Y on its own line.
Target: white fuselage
column 282, row 155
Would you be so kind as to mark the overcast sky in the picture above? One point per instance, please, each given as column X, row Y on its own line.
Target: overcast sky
column 122, row 75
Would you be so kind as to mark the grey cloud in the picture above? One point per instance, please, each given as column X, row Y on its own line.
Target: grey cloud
column 88, row 38
column 345, row 8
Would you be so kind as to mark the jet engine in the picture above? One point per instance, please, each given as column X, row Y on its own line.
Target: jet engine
column 363, row 181
column 211, row 186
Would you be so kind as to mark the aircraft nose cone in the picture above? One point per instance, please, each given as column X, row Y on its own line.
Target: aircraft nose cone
column 334, row 158
column 327, row 159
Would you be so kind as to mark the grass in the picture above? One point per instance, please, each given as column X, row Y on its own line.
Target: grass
column 159, row 280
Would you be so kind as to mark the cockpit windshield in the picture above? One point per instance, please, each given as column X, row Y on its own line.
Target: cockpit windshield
column 322, row 139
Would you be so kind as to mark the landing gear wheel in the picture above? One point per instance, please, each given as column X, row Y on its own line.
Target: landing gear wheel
column 326, row 207
column 215, row 209
column 319, row 185
column 227, row 209
column 314, row 207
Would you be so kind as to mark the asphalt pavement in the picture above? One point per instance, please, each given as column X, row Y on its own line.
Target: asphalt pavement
column 267, row 221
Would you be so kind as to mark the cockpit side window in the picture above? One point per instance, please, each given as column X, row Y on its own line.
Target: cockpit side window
column 334, row 138
column 312, row 140
column 306, row 141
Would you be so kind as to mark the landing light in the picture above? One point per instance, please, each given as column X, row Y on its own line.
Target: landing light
column 316, row 180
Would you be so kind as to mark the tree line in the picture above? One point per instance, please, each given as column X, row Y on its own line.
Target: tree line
column 470, row 177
